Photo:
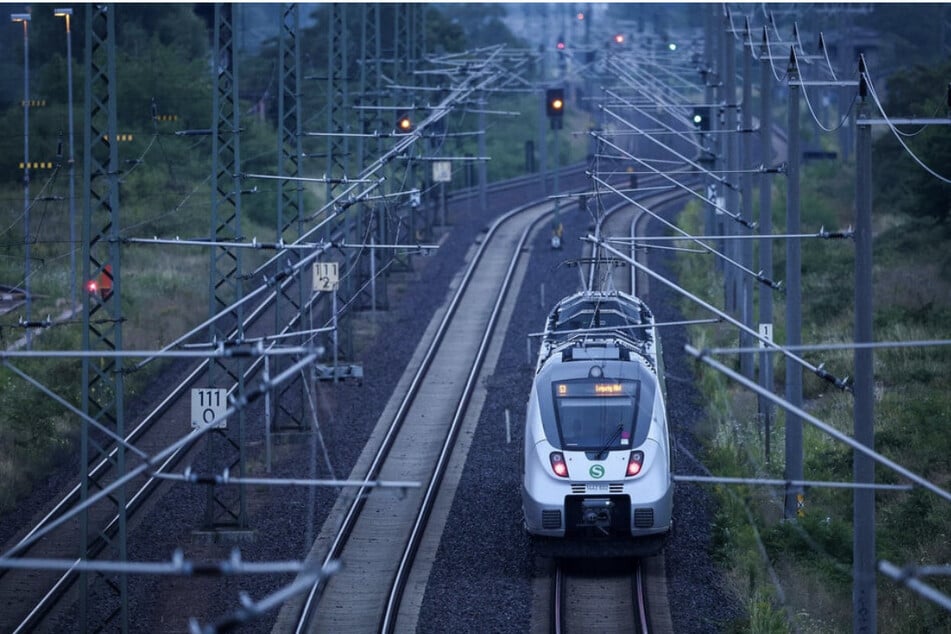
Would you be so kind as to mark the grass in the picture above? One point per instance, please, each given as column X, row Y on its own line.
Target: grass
column 812, row 556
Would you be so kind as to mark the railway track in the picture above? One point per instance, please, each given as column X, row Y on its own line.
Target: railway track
column 376, row 537
column 608, row 597
column 30, row 596
column 623, row 594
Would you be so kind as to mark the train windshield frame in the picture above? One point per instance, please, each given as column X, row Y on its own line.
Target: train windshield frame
column 600, row 414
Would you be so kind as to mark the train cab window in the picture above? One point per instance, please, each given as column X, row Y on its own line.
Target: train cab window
column 596, row 414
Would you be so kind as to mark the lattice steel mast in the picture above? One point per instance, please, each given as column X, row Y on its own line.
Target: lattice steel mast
column 102, row 392
column 226, row 506
column 290, row 299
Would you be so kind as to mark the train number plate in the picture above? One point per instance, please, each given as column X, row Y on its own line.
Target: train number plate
column 597, row 487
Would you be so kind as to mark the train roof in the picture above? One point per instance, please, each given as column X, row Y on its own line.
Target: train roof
column 590, row 324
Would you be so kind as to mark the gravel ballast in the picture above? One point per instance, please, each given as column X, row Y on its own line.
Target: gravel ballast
column 482, row 577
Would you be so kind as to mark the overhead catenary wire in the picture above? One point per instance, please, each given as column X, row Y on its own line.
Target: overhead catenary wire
column 89, row 420
column 819, row 424
column 686, row 236
column 828, row 347
column 223, row 478
column 178, row 565
column 757, row 537
column 842, row 384
column 731, row 214
column 820, row 484
column 157, row 458
column 805, row 94
column 906, row 576
column 822, row 235
column 891, row 126
column 250, row 610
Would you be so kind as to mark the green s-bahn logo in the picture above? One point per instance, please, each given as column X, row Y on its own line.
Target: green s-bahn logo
column 596, row 471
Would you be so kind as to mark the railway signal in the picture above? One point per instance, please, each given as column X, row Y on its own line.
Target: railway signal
column 404, row 125
column 555, row 106
column 701, row 117
column 102, row 285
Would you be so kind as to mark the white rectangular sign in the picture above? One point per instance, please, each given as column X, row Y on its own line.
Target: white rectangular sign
column 209, row 404
column 442, row 171
column 326, row 276
column 766, row 332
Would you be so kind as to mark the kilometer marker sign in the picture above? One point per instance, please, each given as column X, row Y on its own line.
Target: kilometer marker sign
column 209, row 404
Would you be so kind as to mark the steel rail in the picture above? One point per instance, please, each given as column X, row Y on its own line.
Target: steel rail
column 640, row 598
column 390, row 614
column 356, row 507
column 167, row 455
column 137, row 499
column 557, row 624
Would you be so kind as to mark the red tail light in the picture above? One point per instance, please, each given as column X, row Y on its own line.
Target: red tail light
column 634, row 463
column 558, row 464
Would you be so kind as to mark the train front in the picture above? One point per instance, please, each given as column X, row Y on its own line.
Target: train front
column 596, row 454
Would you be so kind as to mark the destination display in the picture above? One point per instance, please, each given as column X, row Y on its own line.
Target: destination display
column 575, row 389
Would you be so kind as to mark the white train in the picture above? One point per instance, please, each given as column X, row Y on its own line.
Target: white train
column 596, row 474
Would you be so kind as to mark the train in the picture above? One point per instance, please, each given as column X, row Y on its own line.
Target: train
column 596, row 465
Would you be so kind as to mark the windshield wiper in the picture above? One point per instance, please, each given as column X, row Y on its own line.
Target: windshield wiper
column 607, row 445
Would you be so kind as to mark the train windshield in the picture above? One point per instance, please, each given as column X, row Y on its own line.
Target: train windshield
column 598, row 414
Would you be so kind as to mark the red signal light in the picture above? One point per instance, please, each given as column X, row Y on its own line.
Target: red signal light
column 635, row 463
column 560, row 46
column 102, row 285
column 558, row 464
column 619, row 39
